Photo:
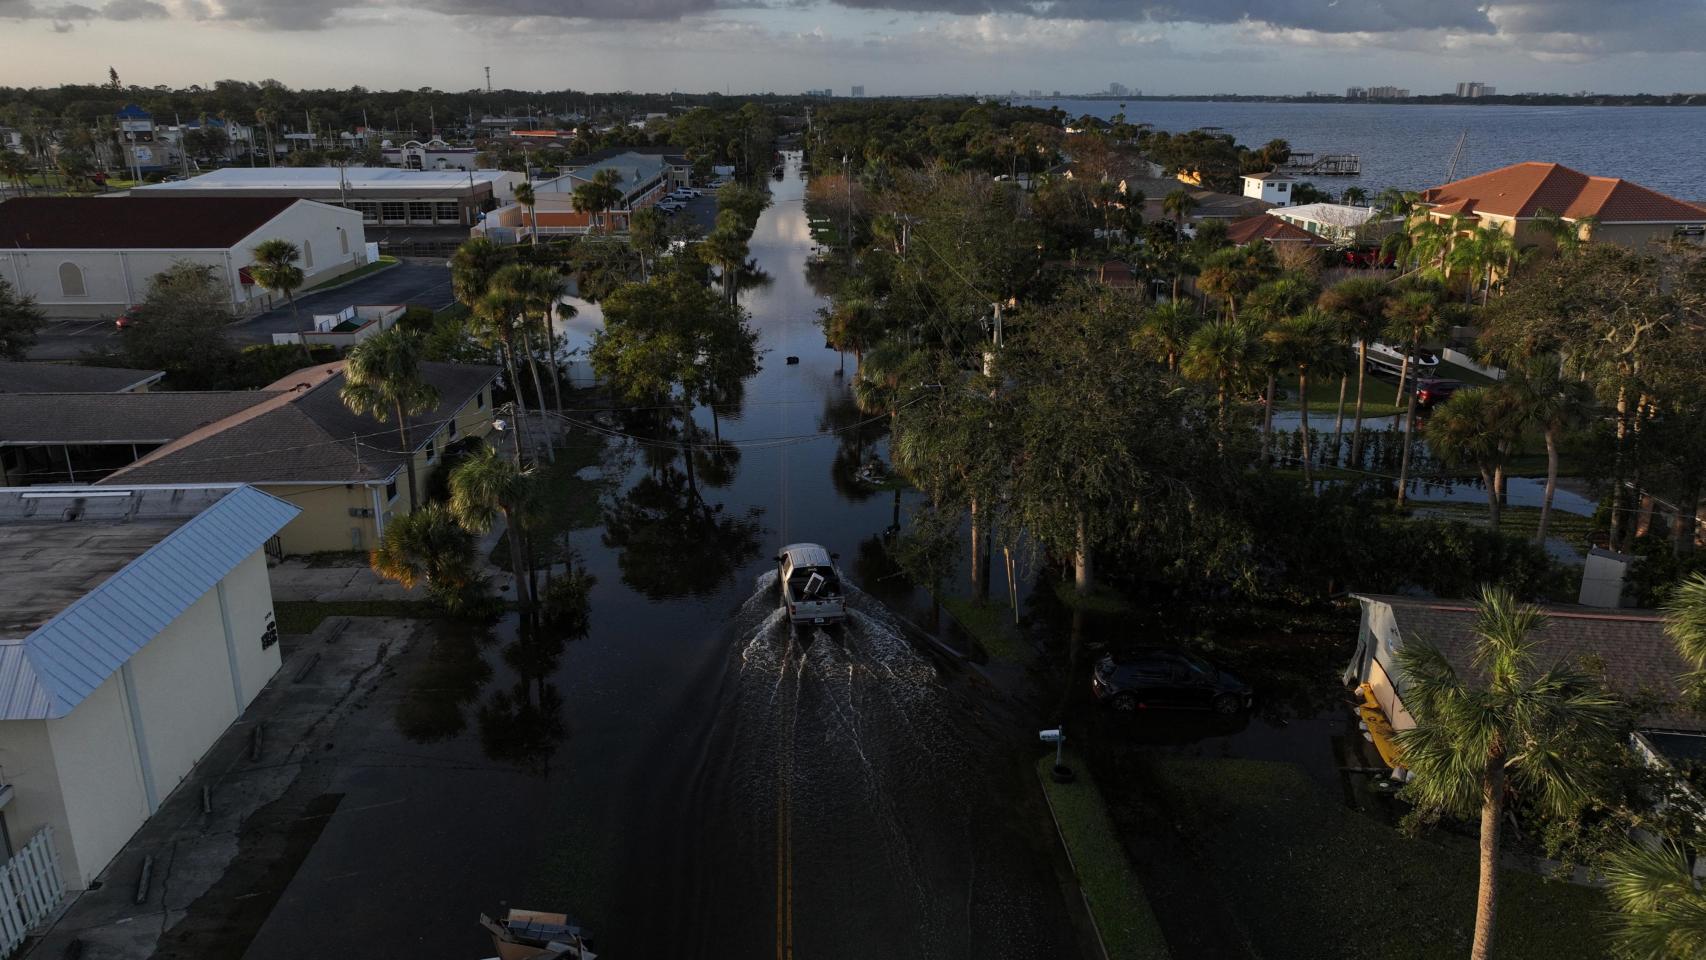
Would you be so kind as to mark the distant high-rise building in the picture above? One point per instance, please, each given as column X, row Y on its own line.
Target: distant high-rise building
column 1117, row 89
column 1036, row 94
column 1355, row 93
column 858, row 90
column 1387, row 93
column 1475, row 88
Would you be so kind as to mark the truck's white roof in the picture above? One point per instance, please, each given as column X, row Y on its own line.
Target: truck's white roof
column 806, row 555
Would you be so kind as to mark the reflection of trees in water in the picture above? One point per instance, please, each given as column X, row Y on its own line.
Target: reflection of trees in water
column 444, row 683
column 523, row 724
column 877, row 574
column 857, row 434
column 671, row 542
column 717, row 463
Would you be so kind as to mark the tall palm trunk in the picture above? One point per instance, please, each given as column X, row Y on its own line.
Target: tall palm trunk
column 408, row 457
column 1339, row 417
column 518, row 561
column 1356, row 423
column 1618, row 466
column 1490, row 480
column 296, row 318
column 538, row 389
column 1403, row 375
column 520, row 401
column 1551, row 485
column 1492, row 815
column 979, row 552
column 1409, row 438
column 1268, row 415
column 1303, row 400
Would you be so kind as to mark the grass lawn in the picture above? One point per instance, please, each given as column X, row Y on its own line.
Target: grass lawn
column 1115, row 897
column 1379, row 394
column 1572, row 528
column 1298, row 875
column 383, row 263
column 302, row 616
column 992, row 624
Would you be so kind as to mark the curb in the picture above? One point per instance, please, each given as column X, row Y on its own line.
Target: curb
column 1060, row 834
column 315, row 291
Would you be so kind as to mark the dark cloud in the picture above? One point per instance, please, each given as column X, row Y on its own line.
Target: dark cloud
column 578, row 9
column 134, row 10
column 1329, row 16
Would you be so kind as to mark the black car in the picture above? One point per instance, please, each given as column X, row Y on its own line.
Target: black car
column 1168, row 679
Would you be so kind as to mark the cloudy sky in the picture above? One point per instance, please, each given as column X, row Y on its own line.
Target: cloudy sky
column 889, row 46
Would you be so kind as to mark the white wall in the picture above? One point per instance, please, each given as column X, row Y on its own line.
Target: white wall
column 99, row 780
column 116, row 279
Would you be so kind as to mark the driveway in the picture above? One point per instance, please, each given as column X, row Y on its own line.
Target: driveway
column 71, row 339
column 422, row 282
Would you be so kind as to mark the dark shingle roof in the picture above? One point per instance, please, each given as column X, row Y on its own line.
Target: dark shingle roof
column 303, row 433
column 20, row 377
column 115, row 417
column 131, row 223
column 1631, row 647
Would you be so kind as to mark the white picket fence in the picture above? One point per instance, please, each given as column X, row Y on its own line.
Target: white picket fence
column 30, row 889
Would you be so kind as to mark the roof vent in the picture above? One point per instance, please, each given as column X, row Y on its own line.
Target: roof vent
column 73, row 512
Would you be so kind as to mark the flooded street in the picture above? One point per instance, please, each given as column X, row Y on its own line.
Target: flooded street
column 694, row 778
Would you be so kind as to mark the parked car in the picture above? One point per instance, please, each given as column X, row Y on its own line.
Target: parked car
column 1168, row 679
column 1434, row 390
column 671, row 206
column 1387, row 358
column 129, row 318
column 810, row 584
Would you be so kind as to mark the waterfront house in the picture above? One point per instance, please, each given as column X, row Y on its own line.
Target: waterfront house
column 1511, row 198
column 1271, row 230
column 1338, row 221
column 135, row 627
column 1274, row 188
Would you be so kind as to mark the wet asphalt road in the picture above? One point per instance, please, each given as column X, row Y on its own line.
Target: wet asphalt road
column 693, row 778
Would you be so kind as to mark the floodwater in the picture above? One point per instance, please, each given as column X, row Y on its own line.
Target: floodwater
column 693, row 778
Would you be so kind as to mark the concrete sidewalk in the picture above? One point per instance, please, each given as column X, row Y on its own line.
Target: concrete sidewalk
column 214, row 876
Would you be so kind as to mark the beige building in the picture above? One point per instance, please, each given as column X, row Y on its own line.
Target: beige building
column 135, row 627
column 1511, row 198
column 298, row 441
column 92, row 257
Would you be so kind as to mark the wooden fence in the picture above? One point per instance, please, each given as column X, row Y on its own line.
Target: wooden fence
column 30, row 889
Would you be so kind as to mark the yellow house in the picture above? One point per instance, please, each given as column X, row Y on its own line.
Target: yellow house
column 300, row 443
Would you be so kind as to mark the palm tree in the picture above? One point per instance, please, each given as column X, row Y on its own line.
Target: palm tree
column 524, row 195
column 726, row 247
column 1179, row 205
column 1306, row 342
column 1661, row 906
column 648, row 235
column 1474, row 427
column 382, row 379
column 1223, row 352
column 1556, row 404
column 1567, row 235
column 1506, row 725
column 597, row 196
column 1269, row 305
column 427, row 546
column 276, row 271
column 1413, row 316
column 1360, row 305
column 485, row 486
column 1685, row 621
column 494, row 322
column 472, row 268
column 540, row 290
column 15, row 167
column 1166, row 331
column 1354, row 196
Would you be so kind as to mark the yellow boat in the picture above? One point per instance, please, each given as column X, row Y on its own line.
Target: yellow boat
column 1379, row 728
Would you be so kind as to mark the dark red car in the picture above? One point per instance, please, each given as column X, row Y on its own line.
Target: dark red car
column 1430, row 392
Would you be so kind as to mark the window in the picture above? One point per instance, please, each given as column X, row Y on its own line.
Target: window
column 391, row 491
column 392, row 210
column 451, row 433
column 307, row 255
column 420, row 212
column 480, row 400
column 369, row 211
column 1280, row 187
column 71, row 280
column 343, row 242
column 431, row 451
column 447, row 212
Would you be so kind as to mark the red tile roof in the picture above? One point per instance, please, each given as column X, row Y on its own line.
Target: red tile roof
column 1272, row 229
column 134, row 223
column 1524, row 189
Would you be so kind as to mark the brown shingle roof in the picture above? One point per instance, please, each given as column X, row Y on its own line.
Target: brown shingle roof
column 30, row 418
column 1630, row 647
column 21, row 377
column 1524, row 189
column 1272, row 229
column 134, row 223
column 303, row 433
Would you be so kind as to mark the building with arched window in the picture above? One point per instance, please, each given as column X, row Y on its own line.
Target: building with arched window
column 93, row 257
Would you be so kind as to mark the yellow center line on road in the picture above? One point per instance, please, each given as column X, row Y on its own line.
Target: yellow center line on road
column 784, row 833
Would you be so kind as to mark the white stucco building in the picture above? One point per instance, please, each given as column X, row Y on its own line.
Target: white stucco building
column 1275, row 188
column 92, row 257
column 135, row 627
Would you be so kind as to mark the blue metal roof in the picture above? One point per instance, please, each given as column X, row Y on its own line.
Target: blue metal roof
column 52, row 670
